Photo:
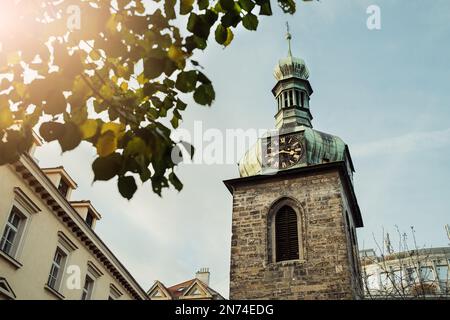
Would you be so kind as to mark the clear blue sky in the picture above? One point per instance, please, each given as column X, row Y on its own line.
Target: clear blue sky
column 385, row 92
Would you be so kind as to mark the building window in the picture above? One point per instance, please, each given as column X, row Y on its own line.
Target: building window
column 63, row 187
column 373, row 282
column 286, row 234
column 411, row 275
column 443, row 276
column 285, row 99
column 426, row 274
column 12, row 232
column 57, row 269
column 87, row 288
column 284, row 231
column 89, row 219
column 397, row 277
column 291, row 98
column 385, row 280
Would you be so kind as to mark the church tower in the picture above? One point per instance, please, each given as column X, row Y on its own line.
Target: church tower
column 295, row 212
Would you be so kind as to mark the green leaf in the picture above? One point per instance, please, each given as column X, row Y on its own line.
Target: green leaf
column 135, row 146
column 6, row 118
column 8, row 152
column 56, row 103
column 204, row 94
column 266, row 9
column 106, row 168
column 203, row 4
column 250, row 21
column 100, row 107
column 38, row 90
column 247, row 5
column 288, row 6
column 186, row 81
column 210, row 17
column 186, row 6
column 199, row 25
column 181, row 105
column 231, row 18
column 106, row 144
column 202, row 78
column 158, row 182
column 153, row 67
column 194, row 42
column 71, row 137
column 145, row 174
column 175, row 181
column 152, row 113
column 89, row 128
column 51, row 131
column 175, row 119
column 149, row 89
column 221, row 34
column 230, row 37
column 169, row 9
column 227, row 4
column 127, row 186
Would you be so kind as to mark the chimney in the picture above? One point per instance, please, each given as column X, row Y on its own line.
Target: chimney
column 203, row 275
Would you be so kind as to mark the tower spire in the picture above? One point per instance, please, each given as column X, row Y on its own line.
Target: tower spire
column 292, row 90
column 288, row 37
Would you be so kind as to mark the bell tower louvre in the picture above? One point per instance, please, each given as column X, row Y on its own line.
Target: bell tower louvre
column 295, row 211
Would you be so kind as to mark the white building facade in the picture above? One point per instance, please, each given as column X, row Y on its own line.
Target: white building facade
column 48, row 246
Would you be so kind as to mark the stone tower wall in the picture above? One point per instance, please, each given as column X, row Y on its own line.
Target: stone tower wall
column 326, row 270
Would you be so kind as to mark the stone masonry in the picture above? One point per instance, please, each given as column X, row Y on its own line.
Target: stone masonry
column 327, row 270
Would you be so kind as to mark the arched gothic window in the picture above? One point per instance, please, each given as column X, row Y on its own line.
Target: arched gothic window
column 286, row 234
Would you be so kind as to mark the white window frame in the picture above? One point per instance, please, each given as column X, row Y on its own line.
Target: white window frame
column 62, row 268
column 93, row 273
column 86, row 292
column 20, row 230
column 11, row 230
column 25, row 208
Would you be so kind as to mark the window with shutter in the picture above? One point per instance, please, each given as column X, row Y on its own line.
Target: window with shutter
column 286, row 234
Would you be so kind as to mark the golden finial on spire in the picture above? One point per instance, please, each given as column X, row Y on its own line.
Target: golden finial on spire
column 288, row 37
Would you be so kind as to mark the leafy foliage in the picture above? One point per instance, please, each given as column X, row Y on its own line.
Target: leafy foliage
column 127, row 65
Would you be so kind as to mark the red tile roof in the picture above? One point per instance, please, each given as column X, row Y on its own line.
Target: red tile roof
column 178, row 289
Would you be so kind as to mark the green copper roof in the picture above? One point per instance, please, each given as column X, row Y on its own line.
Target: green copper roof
column 319, row 148
column 323, row 147
column 292, row 93
column 291, row 67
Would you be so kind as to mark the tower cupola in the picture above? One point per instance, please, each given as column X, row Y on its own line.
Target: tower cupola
column 292, row 90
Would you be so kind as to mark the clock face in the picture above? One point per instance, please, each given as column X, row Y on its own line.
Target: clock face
column 283, row 152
